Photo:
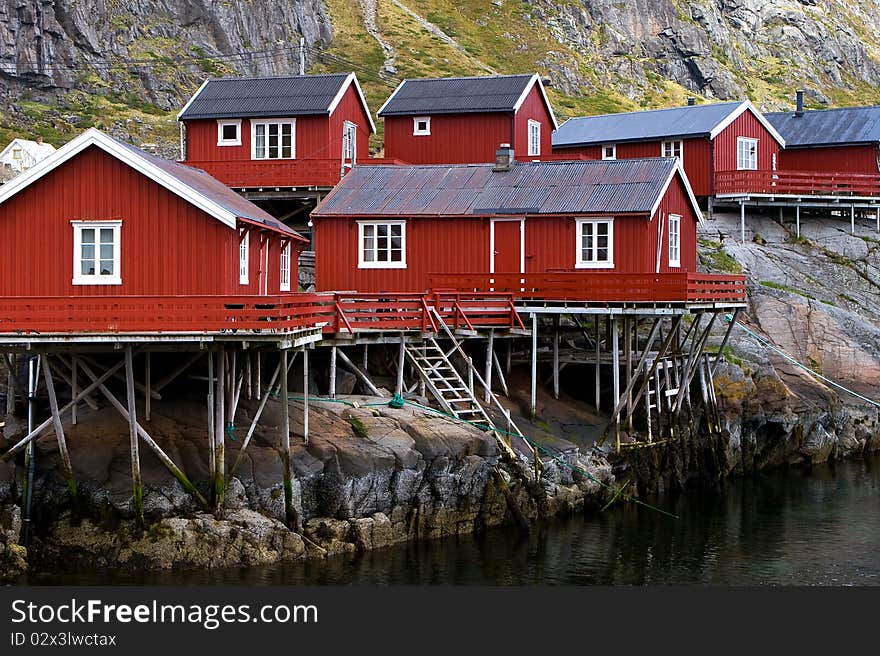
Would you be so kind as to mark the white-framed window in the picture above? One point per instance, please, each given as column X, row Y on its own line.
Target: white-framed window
column 534, row 138
column 273, row 139
column 244, row 257
column 674, row 240
column 349, row 141
column 16, row 153
column 595, row 244
column 229, row 132
column 421, row 126
column 672, row 149
column 609, row 151
column 746, row 154
column 284, row 268
column 381, row 244
column 96, row 247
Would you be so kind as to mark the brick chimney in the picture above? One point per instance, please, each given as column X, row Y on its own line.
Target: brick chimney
column 799, row 104
column 503, row 158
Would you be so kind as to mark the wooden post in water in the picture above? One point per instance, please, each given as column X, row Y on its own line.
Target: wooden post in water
column 305, row 395
column 533, row 406
column 598, row 370
column 218, row 484
column 285, row 440
column 627, row 355
column 490, row 351
column 137, row 486
column 59, row 431
column 332, row 390
column 615, row 374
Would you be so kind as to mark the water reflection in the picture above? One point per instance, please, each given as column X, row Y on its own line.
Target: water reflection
column 820, row 527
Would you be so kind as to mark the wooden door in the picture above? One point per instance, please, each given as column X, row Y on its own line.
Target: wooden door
column 507, row 246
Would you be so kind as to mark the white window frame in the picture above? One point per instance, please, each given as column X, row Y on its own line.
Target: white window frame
column 96, row 279
column 349, row 141
column 417, row 132
column 671, row 147
column 284, row 268
column 674, row 246
column 267, row 122
column 613, row 148
column 745, row 165
column 228, row 142
column 17, row 153
column 381, row 264
column 244, row 257
column 580, row 262
column 534, row 144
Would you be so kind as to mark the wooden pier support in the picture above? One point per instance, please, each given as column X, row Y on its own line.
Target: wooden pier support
column 332, row 390
column 556, row 359
column 218, row 484
column 401, row 362
column 533, row 404
column 285, row 441
column 59, row 431
column 598, row 341
column 306, row 394
column 490, row 352
column 136, row 484
column 360, row 374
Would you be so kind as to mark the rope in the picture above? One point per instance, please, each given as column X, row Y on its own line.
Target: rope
column 769, row 345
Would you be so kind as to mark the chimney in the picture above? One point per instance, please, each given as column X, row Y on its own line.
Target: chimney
column 691, row 101
column 503, row 158
column 799, row 111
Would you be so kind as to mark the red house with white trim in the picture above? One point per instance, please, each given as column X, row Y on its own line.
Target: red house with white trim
column 462, row 120
column 413, row 228
column 100, row 217
column 297, row 131
column 713, row 141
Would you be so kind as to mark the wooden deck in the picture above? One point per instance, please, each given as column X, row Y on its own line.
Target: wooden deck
column 797, row 184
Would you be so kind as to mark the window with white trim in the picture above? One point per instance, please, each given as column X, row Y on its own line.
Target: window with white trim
column 595, row 244
column 16, row 153
column 674, row 240
column 609, row 151
column 229, row 133
column 273, row 139
column 285, row 268
column 244, row 259
column 382, row 245
column 349, row 141
column 96, row 246
column 746, row 154
column 534, row 138
column 421, row 126
column 672, row 149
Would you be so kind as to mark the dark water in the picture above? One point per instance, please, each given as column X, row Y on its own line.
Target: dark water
column 818, row 527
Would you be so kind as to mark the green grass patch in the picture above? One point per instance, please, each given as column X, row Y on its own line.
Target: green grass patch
column 785, row 288
column 357, row 427
column 716, row 259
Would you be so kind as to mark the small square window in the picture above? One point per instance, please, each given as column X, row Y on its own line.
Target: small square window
column 382, row 245
column 421, row 126
column 229, row 133
column 595, row 244
column 609, row 151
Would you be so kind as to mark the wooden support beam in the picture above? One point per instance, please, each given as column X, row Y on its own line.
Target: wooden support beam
column 598, row 342
column 138, row 386
column 643, row 359
column 10, row 384
column 501, row 378
column 421, row 381
column 59, row 431
column 797, row 220
column 145, row 436
column 401, row 362
column 73, row 385
column 615, row 375
column 742, row 223
column 556, row 359
column 490, row 351
column 70, row 381
column 219, row 482
column 533, row 403
column 212, row 414
column 27, row 491
column 360, row 374
column 285, row 440
column 852, row 219
column 366, row 360
column 147, row 397
column 332, row 390
column 306, row 393
column 627, row 355
column 690, row 367
column 258, row 374
column 727, row 332
column 174, row 373
column 136, row 484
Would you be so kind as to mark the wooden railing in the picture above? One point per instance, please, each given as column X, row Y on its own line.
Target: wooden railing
column 281, row 314
column 592, row 286
column 797, row 183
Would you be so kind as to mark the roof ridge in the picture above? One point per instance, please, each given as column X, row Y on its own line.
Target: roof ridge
column 226, row 78
column 823, row 109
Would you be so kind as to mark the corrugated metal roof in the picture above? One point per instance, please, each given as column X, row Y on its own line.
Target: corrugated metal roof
column 826, row 127
column 583, row 186
column 242, row 97
column 211, row 188
column 456, row 95
column 689, row 121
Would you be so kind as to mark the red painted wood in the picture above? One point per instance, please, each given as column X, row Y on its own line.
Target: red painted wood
column 318, row 150
column 798, row 183
column 724, row 145
column 836, row 159
column 508, row 246
column 168, row 246
column 533, row 108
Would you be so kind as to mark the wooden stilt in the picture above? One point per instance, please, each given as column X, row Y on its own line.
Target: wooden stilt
column 306, row 394
column 490, row 351
column 797, row 220
column 401, row 361
column 73, row 384
column 421, row 381
column 137, row 486
column 877, row 218
column 258, row 374
column 138, row 386
column 598, row 365
column 507, row 357
column 500, row 373
column 248, row 375
column 360, row 374
column 147, row 398
column 852, row 219
column 725, row 339
column 27, row 491
column 10, row 385
column 556, row 359
column 366, row 360
column 615, row 375
column 742, row 223
column 533, row 406
column 212, row 414
column 690, row 366
column 332, row 391
column 218, row 484
column 627, row 356
column 58, row 371
column 59, row 431
column 285, row 440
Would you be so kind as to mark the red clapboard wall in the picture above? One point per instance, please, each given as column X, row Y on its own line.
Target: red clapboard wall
column 745, row 125
column 833, row 159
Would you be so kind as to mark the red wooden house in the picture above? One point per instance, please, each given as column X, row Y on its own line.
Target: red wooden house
column 462, row 120
column 413, row 228
column 100, row 217
column 298, row 131
column 710, row 140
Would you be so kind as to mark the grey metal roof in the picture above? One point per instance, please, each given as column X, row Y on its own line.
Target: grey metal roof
column 689, row 121
column 242, row 97
column 456, row 95
column 828, row 127
column 211, row 188
column 562, row 187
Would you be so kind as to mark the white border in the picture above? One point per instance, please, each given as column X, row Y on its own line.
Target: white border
column 390, row 98
column 522, row 243
column 529, row 138
column 286, row 251
column 221, row 123
column 96, row 279
column 536, row 79
column 751, row 140
column 680, row 143
column 421, row 133
column 602, row 152
column 267, row 121
column 582, row 264
column 352, row 78
column 673, row 264
column 194, row 96
column 739, row 111
column 381, row 265
column 679, row 169
column 244, row 257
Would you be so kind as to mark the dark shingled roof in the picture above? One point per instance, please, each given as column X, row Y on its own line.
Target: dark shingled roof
column 242, row 97
column 828, row 127
column 690, row 121
column 456, row 95
column 211, row 188
column 564, row 187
